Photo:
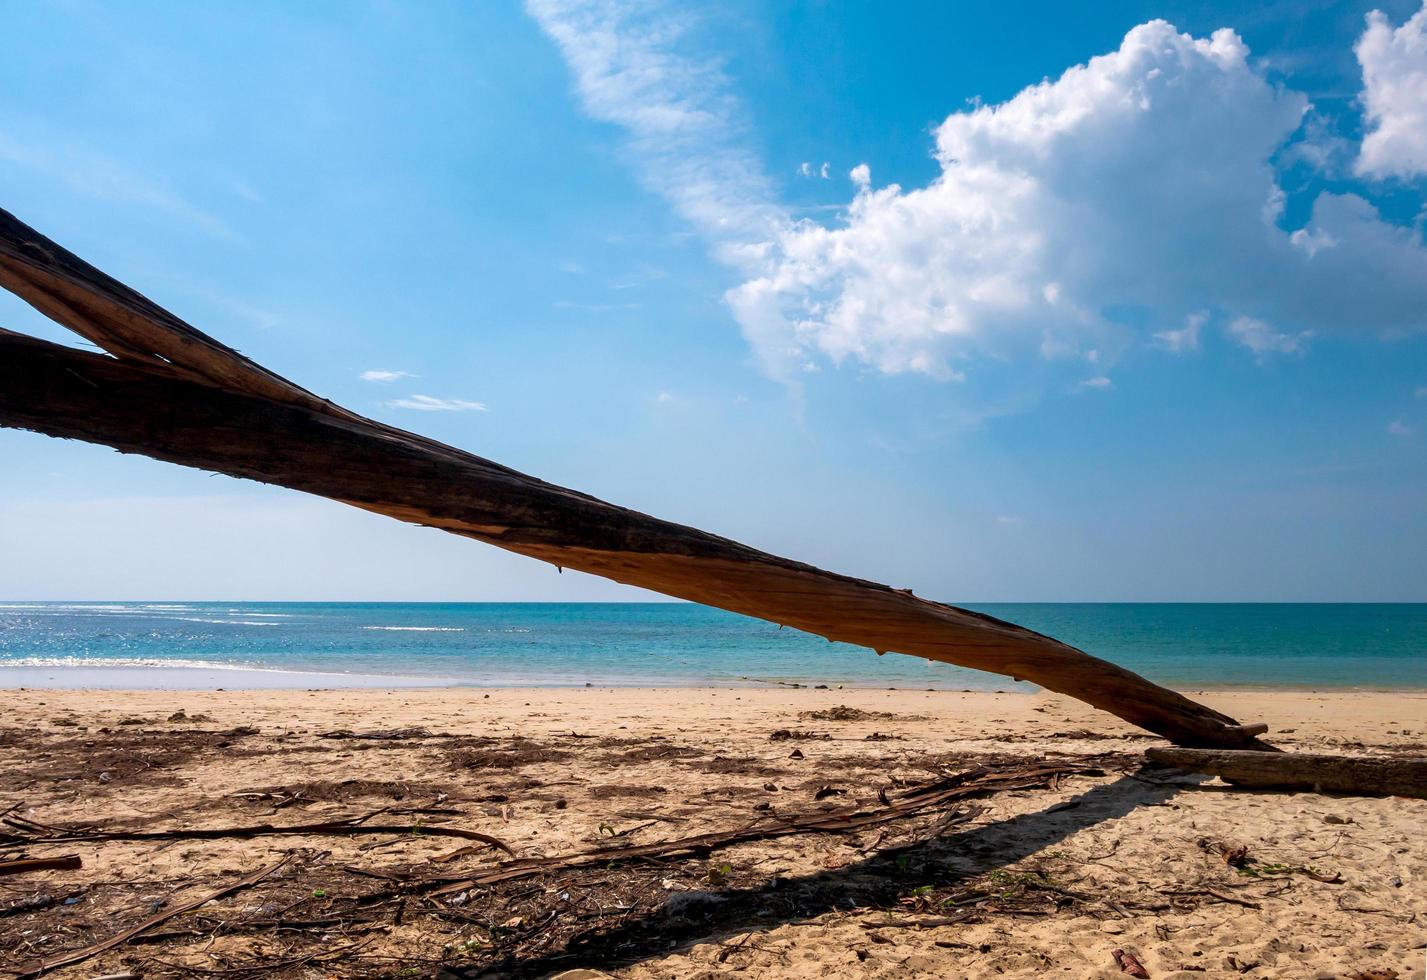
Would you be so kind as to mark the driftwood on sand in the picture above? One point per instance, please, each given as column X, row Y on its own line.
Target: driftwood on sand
column 1361, row 775
column 171, row 392
column 948, row 795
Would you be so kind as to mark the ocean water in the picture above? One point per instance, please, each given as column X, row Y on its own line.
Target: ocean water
column 236, row 645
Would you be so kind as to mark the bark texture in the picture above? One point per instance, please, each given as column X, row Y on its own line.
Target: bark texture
column 170, row 392
column 1358, row 775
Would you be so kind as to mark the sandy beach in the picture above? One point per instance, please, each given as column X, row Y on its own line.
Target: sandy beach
column 1043, row 880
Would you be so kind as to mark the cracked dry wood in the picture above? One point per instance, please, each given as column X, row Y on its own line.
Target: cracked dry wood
column 170, row 392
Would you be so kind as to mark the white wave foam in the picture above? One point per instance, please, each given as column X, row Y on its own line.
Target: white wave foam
column 226, row 622
column 81, row 661
column 419, row 629
column 68, row 607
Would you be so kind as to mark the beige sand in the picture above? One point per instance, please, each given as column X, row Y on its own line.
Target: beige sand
column 1121, row 867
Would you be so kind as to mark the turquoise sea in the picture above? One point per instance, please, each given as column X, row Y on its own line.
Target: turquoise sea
column 257, row 644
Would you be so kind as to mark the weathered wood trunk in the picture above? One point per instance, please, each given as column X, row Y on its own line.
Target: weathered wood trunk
column 1362, row 775
column 174, row 394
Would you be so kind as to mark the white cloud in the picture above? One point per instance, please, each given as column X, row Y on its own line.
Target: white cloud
column 565, row 304
column 664, row 397
column 1099, row 382
column 1263, row 339
column 1138, row 188
column 1141, row 180
column 98, row 176
column 806, row 169
column 1398, row 428
column 385, row 376
column 638, row 65
column 1186, row 338
column 425, row 403
column 1394, row 66
column 1421, row 392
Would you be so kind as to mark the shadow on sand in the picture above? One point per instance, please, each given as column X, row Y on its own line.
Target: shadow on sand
column 877, row 882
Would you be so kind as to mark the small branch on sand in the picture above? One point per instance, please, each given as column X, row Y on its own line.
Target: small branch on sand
column 1212, row 893
column 932, row 923
column 65, row 862
column 34, row 834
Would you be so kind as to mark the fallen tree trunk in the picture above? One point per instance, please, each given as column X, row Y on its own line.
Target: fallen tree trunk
column 174, row 394
column 1358, row 775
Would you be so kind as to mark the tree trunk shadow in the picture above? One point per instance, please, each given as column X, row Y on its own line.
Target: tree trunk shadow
column 879, row 881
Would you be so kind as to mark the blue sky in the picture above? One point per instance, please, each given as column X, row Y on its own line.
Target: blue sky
column 998, row 302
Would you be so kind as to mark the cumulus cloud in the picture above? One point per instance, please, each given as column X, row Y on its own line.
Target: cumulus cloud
column 425, row 403
column 1394, row 63
column 385, row 376
column 1138, row 181
column 1132, row 200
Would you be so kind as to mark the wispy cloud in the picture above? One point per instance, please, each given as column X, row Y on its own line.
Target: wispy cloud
column 806, row 169
column 1186, row 338
column 565, row 304
column 425, row 403
column 641, row 67
column 1263, row 339
column 641, row 275
column 94, row 175
column 385, row 376
column 1399, row 428
column 1098, row 383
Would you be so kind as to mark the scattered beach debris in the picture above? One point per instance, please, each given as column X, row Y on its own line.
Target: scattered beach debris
column 78, row 956
column 1129, row 964
column 349, row 912
column 843, row 713
column 797, row 734
column 1234, row 855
